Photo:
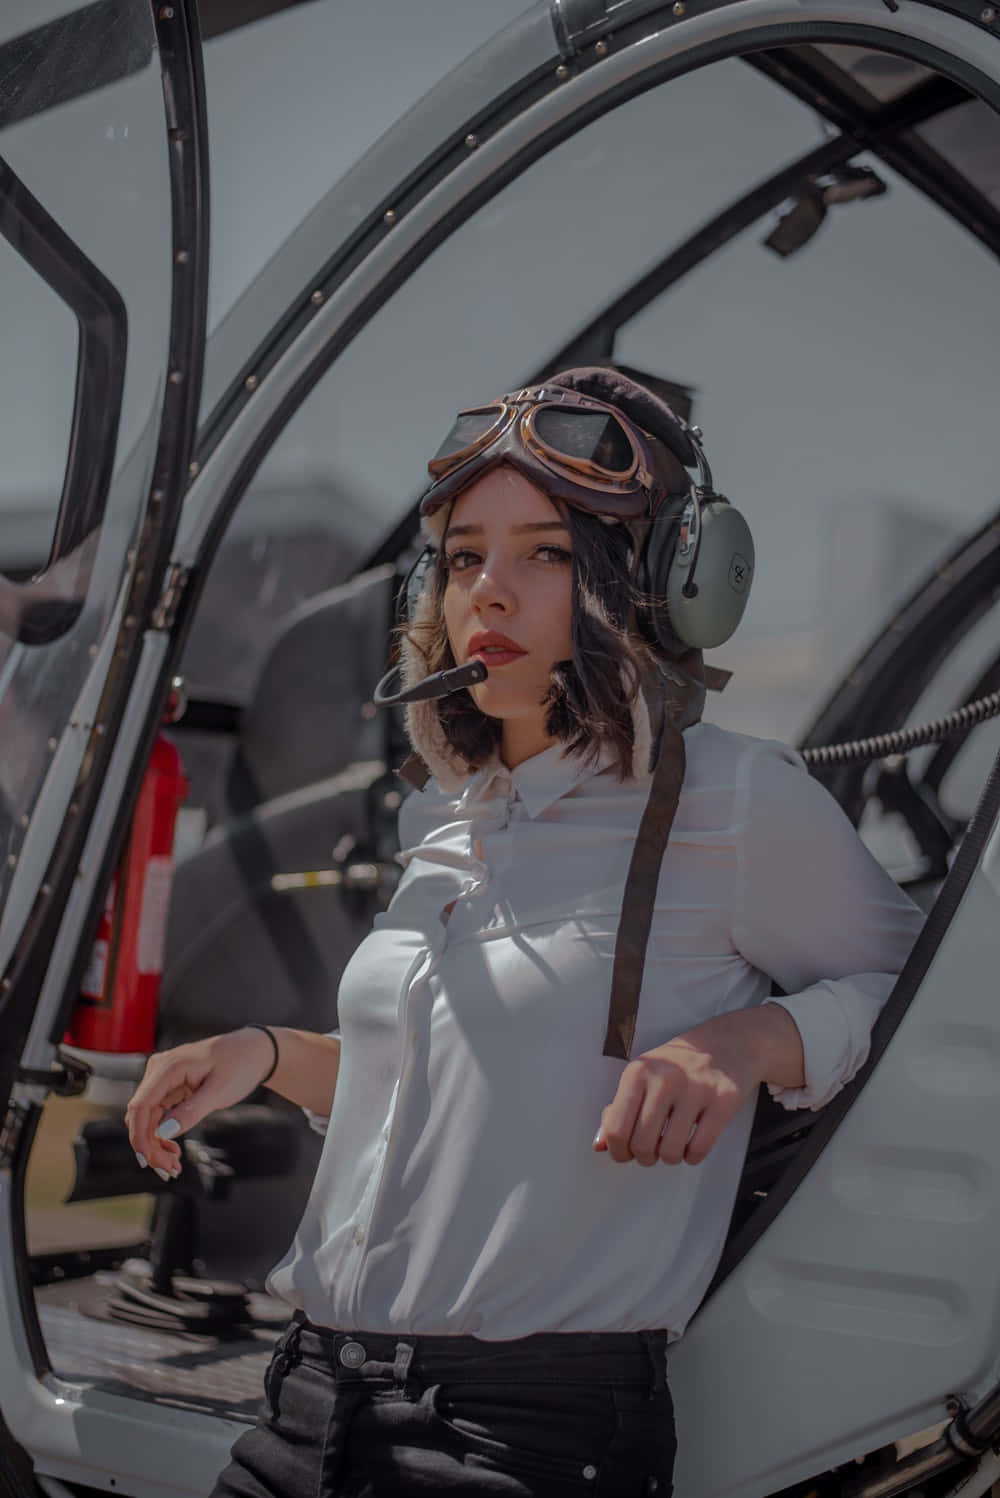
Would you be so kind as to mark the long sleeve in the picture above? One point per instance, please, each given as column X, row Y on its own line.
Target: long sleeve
column 820, row 916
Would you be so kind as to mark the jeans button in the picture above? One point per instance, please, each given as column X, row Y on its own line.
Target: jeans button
column 352, row 1355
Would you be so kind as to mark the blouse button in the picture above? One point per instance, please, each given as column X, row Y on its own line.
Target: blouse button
column 590, row 1473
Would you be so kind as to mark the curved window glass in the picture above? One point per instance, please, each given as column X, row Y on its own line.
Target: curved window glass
column 86, row 227
column 38, row 402
column 845, row 386
column 478, row 318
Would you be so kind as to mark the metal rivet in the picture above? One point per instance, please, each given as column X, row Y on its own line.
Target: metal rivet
column 317, row 299
column 176, row 133
column 46, row 889
column 472, row 141
column 562, row 72
column 100, row 729
column 251, row 382
column 130, row 621
column 697, row 433
column 181, row 257
column 679, row 7
column 92, row 651
column 131, row 555
column 157, row 496
column 166, row 12
column 601, row 48
column 389, row 216
column 989, row 15
column 5, row 986
column 25, row 820
column 392, row 800
column 176, row 376
column 12, row 860
column 53, row 745
column 74, row 807
column 194, row 469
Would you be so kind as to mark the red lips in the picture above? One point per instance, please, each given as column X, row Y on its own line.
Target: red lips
column 493, row 648
column 485, row 639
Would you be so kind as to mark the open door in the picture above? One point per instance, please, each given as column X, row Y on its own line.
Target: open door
column 103, row 250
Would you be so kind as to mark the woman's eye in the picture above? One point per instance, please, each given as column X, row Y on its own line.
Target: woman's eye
column 553, row 554
column 457, row 561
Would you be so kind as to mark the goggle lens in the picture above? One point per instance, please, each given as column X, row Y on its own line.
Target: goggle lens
column 469, row 428
column 589, row 436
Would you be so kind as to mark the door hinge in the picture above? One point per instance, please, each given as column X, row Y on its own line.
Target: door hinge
column 173, row 591
column 10, row 1133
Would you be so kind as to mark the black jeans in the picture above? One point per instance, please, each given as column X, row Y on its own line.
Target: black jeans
column 361, row 1415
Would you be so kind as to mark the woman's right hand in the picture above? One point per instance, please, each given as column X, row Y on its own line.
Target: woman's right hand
column 186, row 1084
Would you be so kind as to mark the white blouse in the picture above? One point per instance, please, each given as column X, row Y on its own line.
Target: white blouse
column 458, row 1191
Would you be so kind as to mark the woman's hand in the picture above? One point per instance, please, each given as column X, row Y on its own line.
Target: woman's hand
column 190, row 1082
column 673, row 1102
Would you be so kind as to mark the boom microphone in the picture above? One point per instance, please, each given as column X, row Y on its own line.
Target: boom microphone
column 438, row 684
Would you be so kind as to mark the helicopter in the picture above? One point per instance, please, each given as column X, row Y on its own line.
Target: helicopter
column 189, row 644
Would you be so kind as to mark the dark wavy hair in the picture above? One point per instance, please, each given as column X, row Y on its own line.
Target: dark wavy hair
column 589, row 699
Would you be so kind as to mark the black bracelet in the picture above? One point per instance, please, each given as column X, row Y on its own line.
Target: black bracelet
column 271, row 1037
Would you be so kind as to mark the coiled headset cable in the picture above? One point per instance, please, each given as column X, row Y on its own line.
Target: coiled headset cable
column 902, row 740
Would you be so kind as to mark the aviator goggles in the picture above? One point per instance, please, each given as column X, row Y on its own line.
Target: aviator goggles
column 574, row 446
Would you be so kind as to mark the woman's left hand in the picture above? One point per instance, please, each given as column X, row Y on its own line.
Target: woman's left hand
column 673, row 1102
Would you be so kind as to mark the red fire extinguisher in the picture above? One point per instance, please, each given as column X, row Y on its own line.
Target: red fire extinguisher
column 116, row 1010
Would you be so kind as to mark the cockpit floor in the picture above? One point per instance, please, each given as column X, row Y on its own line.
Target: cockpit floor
column 183, row 1369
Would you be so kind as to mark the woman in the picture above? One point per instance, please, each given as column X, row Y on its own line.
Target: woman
column 484, row 1290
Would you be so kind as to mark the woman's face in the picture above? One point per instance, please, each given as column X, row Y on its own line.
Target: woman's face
column 509, row 601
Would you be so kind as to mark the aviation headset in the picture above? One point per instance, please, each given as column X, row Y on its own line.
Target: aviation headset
column 694, row 554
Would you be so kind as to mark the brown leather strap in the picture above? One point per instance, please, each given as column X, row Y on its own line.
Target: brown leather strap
column 639, row 898
column 414, row 771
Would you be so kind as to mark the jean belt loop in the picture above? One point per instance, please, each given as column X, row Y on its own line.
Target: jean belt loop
column 293, row 1342
column 401, row 1366
column 656, row 1344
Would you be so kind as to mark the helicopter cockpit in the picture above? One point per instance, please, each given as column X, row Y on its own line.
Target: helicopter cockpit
column 787, row 220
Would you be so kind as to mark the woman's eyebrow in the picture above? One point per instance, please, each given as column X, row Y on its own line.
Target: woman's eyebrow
column 516, row 530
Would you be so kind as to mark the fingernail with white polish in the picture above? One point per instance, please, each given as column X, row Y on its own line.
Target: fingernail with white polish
column 168, row 1128
column 597, row 1137
column 141, row 1159
column 161, row 1173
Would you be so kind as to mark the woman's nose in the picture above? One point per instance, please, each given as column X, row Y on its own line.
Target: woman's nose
column 491, row 587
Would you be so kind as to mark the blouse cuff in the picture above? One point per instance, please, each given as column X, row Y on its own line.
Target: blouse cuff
column 832, row 1055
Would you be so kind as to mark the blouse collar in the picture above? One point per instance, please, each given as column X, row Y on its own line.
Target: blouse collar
column 538, row 782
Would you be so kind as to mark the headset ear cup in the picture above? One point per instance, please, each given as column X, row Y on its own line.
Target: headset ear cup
column 709, row 577
column 652, row 575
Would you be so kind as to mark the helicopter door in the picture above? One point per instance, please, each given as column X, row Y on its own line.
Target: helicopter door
column 103, row 263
